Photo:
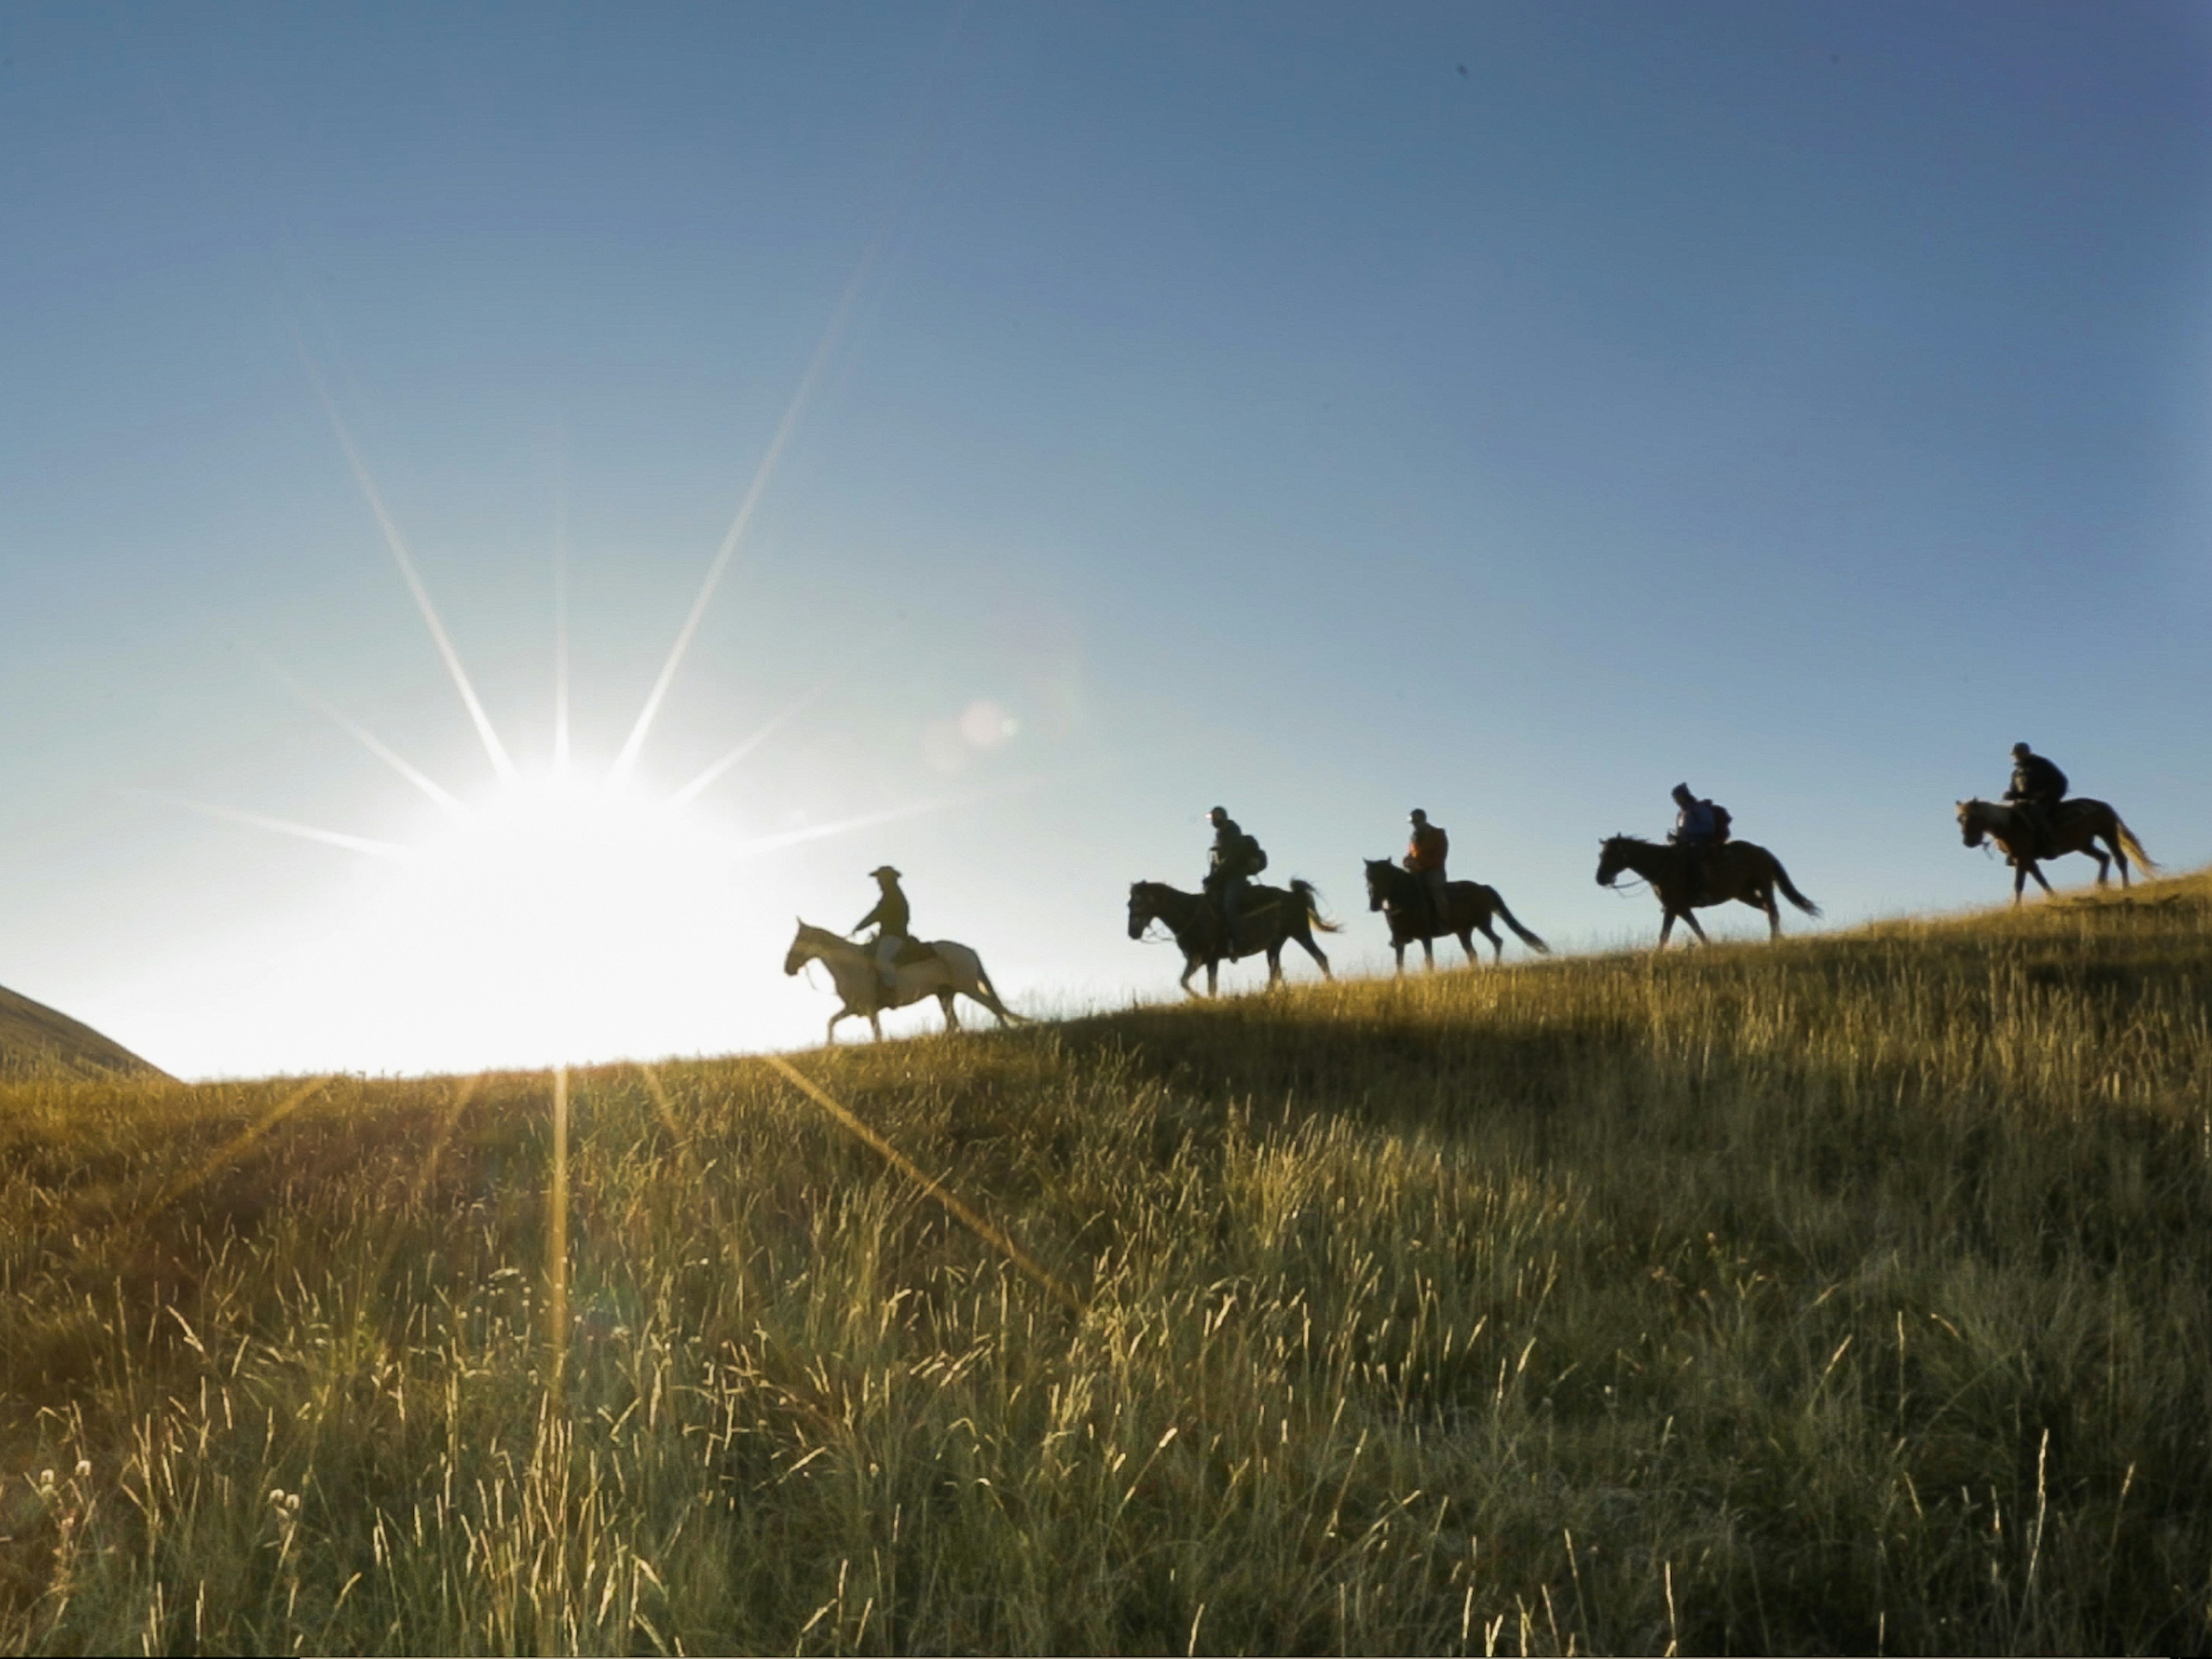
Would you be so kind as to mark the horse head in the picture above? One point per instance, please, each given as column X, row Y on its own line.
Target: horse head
column 1141, row 913
column 1612, row 858
column 1971, row 826
column 806, row 945
column 1379, row 873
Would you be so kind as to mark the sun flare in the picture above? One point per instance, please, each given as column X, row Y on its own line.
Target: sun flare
column 560, row 917
column 566, row 915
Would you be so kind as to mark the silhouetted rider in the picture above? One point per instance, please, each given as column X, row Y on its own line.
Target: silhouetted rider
column 1699, row 826
column 892, row 923
column 1426, row 850
column 2038, row 787
column 1235, row 859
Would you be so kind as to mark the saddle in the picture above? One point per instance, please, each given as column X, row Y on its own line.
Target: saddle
column 2044, row 819
column 911, row 951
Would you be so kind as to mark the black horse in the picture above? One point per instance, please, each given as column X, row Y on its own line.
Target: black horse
column 1737, row 872
column 1403, row 898
column 1268, row 917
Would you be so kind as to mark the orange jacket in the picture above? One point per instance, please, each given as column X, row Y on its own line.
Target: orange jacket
column 1427, row 849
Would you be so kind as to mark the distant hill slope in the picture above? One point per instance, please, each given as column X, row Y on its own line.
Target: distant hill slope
column 36, row 1040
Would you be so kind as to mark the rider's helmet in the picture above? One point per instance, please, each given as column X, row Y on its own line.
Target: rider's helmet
column 1683, row 793
column 1418, row 815
column 2020, row 752
column 884, row 872
column 1219, row 813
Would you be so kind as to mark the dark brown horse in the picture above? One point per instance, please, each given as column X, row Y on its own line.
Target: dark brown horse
column 1737, row 872
column 2080, row 825
column 1403, row 898
column 1266, row 918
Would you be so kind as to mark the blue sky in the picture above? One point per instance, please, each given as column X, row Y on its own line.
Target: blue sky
column 1507, row 409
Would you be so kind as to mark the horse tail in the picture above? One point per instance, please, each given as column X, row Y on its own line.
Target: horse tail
column 1309, row 895
column 1513, row 922
column 997, row 1003
column 1789, row 889
column 979, row 977
column 2133, row 848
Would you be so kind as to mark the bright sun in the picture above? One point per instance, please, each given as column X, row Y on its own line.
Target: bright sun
column 564, row 915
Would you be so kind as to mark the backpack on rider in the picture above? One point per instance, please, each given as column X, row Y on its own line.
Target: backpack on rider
column 1254, row 856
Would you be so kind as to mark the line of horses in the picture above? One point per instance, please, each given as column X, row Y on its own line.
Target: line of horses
column 1269, row 918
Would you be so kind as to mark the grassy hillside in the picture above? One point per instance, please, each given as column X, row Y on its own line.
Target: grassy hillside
column 1854, row 1294
column 36, row 1040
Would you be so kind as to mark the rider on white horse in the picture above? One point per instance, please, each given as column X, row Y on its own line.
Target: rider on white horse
column 892, row 923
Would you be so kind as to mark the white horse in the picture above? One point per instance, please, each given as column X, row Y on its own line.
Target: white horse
column 952, row 970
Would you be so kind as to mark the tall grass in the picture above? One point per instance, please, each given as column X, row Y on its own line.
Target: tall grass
column 1855, row 1294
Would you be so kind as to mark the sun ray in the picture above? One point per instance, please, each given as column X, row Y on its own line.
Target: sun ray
column 692, row 791
column 400, row 556
column 556, row 1233
column 374, row 848
column 180, row 1184
column 665, row 1109
column 783, row 838
column 762, row 475
column 463, row 1092
column 561, row 632
column 368, row 739
column 865, row 653
column 995, row 1238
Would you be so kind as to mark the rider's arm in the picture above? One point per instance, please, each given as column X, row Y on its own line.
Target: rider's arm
column 868, row 920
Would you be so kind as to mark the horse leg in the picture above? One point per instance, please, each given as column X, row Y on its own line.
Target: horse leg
column 1213, row 976
column 944, row 1001
column 1304, row 936
column 1428, row 953
column 2036, row 870
column 1274, row 964
column 2112, row 841
column 1398, row 947
column 1666, row 927
column 1765, row 902
column 876, row 1025
column 2104, row 864
column 2020, row 877
column 1496, row 944
column 1190, row 966
column 829, row 1037
column 1691, row 917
